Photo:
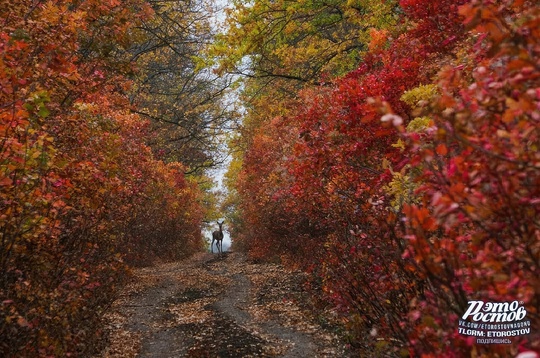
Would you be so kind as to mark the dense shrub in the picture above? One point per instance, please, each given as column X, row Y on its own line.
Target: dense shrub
column 410, row 185
column 79, row 189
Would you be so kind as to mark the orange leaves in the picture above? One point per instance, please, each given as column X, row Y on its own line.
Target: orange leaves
column 77, row 181
column 441, row 149
column 6, row 181
column 515, row 109
column 378, row 39
column 420, row 218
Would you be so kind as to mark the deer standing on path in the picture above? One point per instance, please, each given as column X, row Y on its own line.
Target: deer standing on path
column 218, row 237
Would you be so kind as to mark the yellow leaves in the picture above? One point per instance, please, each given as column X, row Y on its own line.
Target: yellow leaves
column 303, row 39
column 386, row 164
column 85, row 107
column 401, row 188
column 399, row 144
column 293, row 27
column 417, row 96
column 419, row 124
column 76, row 21
column 309, row 52
column 379, row 14
column 51, row 13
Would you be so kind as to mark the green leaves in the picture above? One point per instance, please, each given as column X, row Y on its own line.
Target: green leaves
column 300, row 40
column 36, row 103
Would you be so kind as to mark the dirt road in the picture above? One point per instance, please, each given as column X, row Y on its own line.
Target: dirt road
column 217, row 306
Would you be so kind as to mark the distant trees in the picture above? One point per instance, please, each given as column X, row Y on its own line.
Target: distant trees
column 186, row 102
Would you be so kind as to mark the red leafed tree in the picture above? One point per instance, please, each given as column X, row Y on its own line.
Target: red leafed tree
column 327, row 207
column 476, row 234
column 76, row 180
column 402, row 278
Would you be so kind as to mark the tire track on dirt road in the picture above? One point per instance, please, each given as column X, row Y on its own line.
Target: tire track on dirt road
column 215, row 306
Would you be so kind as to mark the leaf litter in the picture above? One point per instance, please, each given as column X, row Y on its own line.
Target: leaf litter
column 217, row 306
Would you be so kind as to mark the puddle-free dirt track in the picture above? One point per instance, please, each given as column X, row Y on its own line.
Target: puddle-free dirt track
column 217, row 306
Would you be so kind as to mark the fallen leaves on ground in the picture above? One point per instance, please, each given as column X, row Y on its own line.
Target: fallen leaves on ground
column 216, row 306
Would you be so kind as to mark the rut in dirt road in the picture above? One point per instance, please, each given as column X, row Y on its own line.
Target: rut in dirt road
column 216, row 306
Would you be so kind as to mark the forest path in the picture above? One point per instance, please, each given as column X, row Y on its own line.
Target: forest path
column 216, row 306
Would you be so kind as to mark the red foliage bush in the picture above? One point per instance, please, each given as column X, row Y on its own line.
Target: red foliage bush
column 317, row 183
column 475, row 236
column 76, row 180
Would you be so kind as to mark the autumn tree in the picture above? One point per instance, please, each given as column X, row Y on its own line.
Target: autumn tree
column 279, row 48
column 185, row 101
column 299, row 41
column 324, row 184
column 407, row 186
column 80, row 191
